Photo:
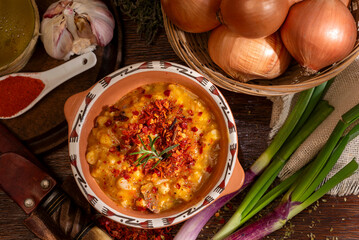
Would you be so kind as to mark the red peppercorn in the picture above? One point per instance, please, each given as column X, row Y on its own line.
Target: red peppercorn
column 183, row 125
column 167, row 92
column 194, row 129
column 114, row 109
column 108, row 123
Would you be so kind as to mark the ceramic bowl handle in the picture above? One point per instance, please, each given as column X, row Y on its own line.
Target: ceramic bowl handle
column 236, row 180
column 72, row 105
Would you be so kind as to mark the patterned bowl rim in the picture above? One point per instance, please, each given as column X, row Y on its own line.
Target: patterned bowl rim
column 98, row 89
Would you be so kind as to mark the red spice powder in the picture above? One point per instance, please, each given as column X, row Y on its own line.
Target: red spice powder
column 16, row 93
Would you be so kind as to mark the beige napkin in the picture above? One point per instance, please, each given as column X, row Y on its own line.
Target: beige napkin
column 343, row 95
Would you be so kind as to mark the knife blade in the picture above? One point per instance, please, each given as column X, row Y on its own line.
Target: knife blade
column 52, row 213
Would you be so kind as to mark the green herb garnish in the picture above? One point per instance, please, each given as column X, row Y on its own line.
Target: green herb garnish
column 151, row 153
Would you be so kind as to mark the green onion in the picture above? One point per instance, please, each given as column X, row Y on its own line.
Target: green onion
column 272, row 194
column 344, row 173
column 315, row 98
column 309, row 177
column 283, row 133
column 302, row 192
column 287, row 209
column 270, row 173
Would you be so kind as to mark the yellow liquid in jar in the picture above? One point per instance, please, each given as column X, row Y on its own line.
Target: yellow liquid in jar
column 17, row 22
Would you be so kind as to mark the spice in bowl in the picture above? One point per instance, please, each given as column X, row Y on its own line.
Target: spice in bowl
column 17, row 92
column 154, row 148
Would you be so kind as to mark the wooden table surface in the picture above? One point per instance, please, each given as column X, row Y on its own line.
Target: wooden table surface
column 330, row 218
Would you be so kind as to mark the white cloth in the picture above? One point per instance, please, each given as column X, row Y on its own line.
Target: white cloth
column 343, row 95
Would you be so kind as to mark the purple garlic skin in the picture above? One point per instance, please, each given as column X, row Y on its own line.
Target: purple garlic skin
column 76, row 27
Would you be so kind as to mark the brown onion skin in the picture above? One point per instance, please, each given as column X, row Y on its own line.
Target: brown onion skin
column 305, row 33
column 254, row 18
column 245, row 59
column 194, row 16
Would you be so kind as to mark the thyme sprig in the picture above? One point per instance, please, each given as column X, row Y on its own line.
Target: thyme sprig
column 146, row 14
column 151, row 153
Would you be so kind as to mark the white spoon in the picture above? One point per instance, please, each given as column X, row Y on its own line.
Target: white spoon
column 56, row 76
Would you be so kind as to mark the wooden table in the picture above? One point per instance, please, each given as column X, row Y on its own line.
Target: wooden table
column 331, row 218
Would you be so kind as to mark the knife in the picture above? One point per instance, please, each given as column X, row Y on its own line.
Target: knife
column 52, row 213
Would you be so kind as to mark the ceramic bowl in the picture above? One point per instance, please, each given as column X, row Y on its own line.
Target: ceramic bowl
column 21, row 58
column 82, row 109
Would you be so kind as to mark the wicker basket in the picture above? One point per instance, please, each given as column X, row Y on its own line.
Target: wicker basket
column 192, row 49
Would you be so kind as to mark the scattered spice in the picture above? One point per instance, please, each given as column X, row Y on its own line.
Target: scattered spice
column 16, row 93
column 222, row 221
column 119, row 231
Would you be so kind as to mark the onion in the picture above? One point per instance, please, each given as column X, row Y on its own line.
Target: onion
column 254, row 18
column 246, row 59
column 318, row 33
column 193, row 16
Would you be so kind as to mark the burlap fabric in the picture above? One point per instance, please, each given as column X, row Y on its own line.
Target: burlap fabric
column 343, row 95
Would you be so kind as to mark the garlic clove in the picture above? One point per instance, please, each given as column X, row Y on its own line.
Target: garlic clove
column 56, row 38
column 100, row 18
column 84, row 29
column 80, row 45
column 102, row 30
column 56, row 8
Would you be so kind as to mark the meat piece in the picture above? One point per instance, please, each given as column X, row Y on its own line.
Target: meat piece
column 149, row 192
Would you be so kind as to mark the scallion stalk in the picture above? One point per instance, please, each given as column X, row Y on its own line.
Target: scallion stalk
column 315, row 98
column 302, row 186
column 282, row 135
column 302, row 193
column 272, row 195
column 270, row 173
column 287, row 209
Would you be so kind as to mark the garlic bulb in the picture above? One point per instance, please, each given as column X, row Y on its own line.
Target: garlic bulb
column 76, row 27
column 244, row 58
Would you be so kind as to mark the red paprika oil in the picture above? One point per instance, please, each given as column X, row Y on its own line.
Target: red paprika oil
column 16, row 93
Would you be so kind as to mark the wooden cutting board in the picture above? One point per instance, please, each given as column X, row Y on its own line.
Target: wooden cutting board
column 44, row 126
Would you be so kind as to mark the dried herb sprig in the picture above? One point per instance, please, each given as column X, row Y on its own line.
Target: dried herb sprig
column 151, row 153
column 147, row 15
